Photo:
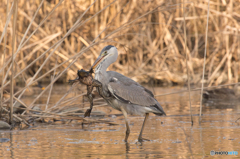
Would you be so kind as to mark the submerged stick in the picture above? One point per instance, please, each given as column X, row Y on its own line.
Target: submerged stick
column 237, row 120
column 205, row 52
column 18, row 118
column 4, row 55
column 15, row 7
column 188, row 78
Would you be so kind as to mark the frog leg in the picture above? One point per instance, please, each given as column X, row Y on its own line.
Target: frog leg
column 90, row 98
column 73, row 81
column 96, row 83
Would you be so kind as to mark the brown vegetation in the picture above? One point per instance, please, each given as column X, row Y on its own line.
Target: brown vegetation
column 66, row 36
column 151, row 46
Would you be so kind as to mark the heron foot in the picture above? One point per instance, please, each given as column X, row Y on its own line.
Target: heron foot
column 87, row 113
column 140, row 139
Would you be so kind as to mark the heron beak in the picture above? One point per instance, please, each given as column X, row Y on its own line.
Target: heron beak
column 98, row 60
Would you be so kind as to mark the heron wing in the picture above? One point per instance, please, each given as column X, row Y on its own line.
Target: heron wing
column 127, row 90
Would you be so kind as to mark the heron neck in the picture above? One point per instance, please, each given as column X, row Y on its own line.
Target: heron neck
column 100, row 71
column 101, row 68
column 101, row 75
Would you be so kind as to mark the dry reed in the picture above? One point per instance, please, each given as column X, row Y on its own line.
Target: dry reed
column 205, row 52
column 153, row 43
column 54, row 40
column 185, row 46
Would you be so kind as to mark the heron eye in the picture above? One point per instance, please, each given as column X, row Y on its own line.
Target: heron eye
column 105, row 52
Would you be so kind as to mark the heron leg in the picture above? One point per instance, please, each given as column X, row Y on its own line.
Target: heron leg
column 127, row 126
column 140, row 139
column 90, row 98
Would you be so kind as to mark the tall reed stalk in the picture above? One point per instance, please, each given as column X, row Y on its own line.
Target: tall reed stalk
column 187, row 58
column 158, row 30
column 15, row 8
column 3, row 63
column 156, row 42
column 205, row 52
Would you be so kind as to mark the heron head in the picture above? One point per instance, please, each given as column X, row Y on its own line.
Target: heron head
column 107, row 56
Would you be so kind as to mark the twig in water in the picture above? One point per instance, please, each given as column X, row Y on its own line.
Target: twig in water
column 3, row 57
column 18, row 118
column 237, row 120
column 189, row 144
column 188, row 78
column 15, row 7
column 205, row 52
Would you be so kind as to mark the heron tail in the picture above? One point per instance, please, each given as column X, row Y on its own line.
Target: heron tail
column 158, row 110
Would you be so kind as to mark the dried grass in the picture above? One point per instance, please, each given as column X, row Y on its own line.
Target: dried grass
column 150, row 40
column 54, row 40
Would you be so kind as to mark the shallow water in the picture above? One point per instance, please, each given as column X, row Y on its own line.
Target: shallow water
column 170, row 137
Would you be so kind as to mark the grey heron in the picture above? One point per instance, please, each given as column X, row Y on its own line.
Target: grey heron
column 123, row 93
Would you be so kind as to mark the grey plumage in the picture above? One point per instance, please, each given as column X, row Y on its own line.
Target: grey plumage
column 125, row 94
column 106, row 48
column 130, row 92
